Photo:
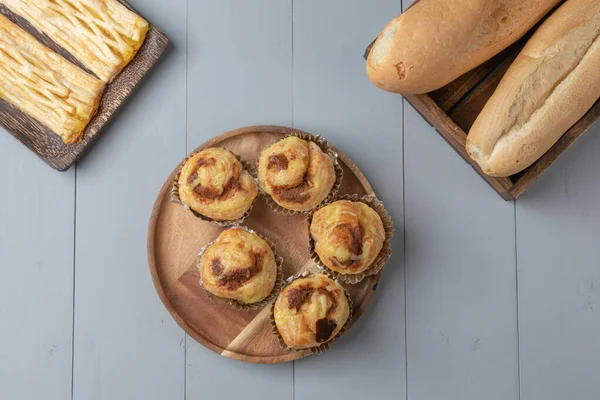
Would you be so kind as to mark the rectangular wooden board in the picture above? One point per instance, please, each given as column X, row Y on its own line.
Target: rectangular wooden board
column 452, row 109
column 48, row 145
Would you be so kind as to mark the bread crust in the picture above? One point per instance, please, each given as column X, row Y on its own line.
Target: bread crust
column 436, row 41
column 552, row 83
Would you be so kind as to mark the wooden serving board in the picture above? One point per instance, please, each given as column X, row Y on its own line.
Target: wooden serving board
column 48, row 145
column 452, row 110
column 175, row 236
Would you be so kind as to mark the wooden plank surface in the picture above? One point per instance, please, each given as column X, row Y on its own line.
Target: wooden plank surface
column 239, row 73
column 333, row 96
column 460, row 275
column 558, row 227
column 36, row 269
column 126, row 344
column 468, row 335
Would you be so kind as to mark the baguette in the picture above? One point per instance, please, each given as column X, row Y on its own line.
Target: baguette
column 436, row 41
column 553, row 82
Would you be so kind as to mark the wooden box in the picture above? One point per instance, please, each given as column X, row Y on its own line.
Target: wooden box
column 452, row 110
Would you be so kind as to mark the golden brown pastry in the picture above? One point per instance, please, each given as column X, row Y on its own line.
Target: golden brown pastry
column 296, row 173
column 348, row 236
column 240, row 266
column 310, row 311
column 44, row 85
column 215, row 184
column 103, row 34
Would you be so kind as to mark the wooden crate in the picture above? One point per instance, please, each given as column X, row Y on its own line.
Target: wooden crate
column 452, row 110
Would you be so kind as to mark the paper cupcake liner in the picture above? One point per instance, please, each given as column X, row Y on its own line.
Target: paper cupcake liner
column 176, row 199
column 382, row 257
column 326, row 148
column 324, row 346
column 279, row 281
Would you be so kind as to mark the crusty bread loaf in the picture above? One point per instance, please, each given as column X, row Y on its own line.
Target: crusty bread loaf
column 436, row 41
column 553, row 82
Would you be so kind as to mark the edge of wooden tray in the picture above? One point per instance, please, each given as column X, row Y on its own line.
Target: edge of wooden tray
column 159, row 285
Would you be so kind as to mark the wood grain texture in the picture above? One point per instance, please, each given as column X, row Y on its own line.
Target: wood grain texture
column 453, row 108
column 175, row 235
column 465, row 113
column 449, row 96
column 45, row 143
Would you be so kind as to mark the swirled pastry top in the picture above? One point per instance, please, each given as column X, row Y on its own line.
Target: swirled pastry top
column 239, row 265
column 296, row 173
column 103, row 34
column 44, row 85
column 215, row 184
column 310, row 311
column 348, row 235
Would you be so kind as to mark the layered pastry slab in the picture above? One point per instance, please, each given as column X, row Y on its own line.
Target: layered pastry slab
column 44, row 85
column 103, row 35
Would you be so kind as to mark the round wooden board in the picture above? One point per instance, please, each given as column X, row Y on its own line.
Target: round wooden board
column 175, row 236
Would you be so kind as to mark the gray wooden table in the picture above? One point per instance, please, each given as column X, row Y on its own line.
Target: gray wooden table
column 483, row 299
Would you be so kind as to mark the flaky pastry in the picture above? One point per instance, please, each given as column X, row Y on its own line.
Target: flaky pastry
column 239, row 265
column 310, row 311
column 103, row 34
column 215, row 184
column 348, row 236
column 44, row 85
column 296, row 173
